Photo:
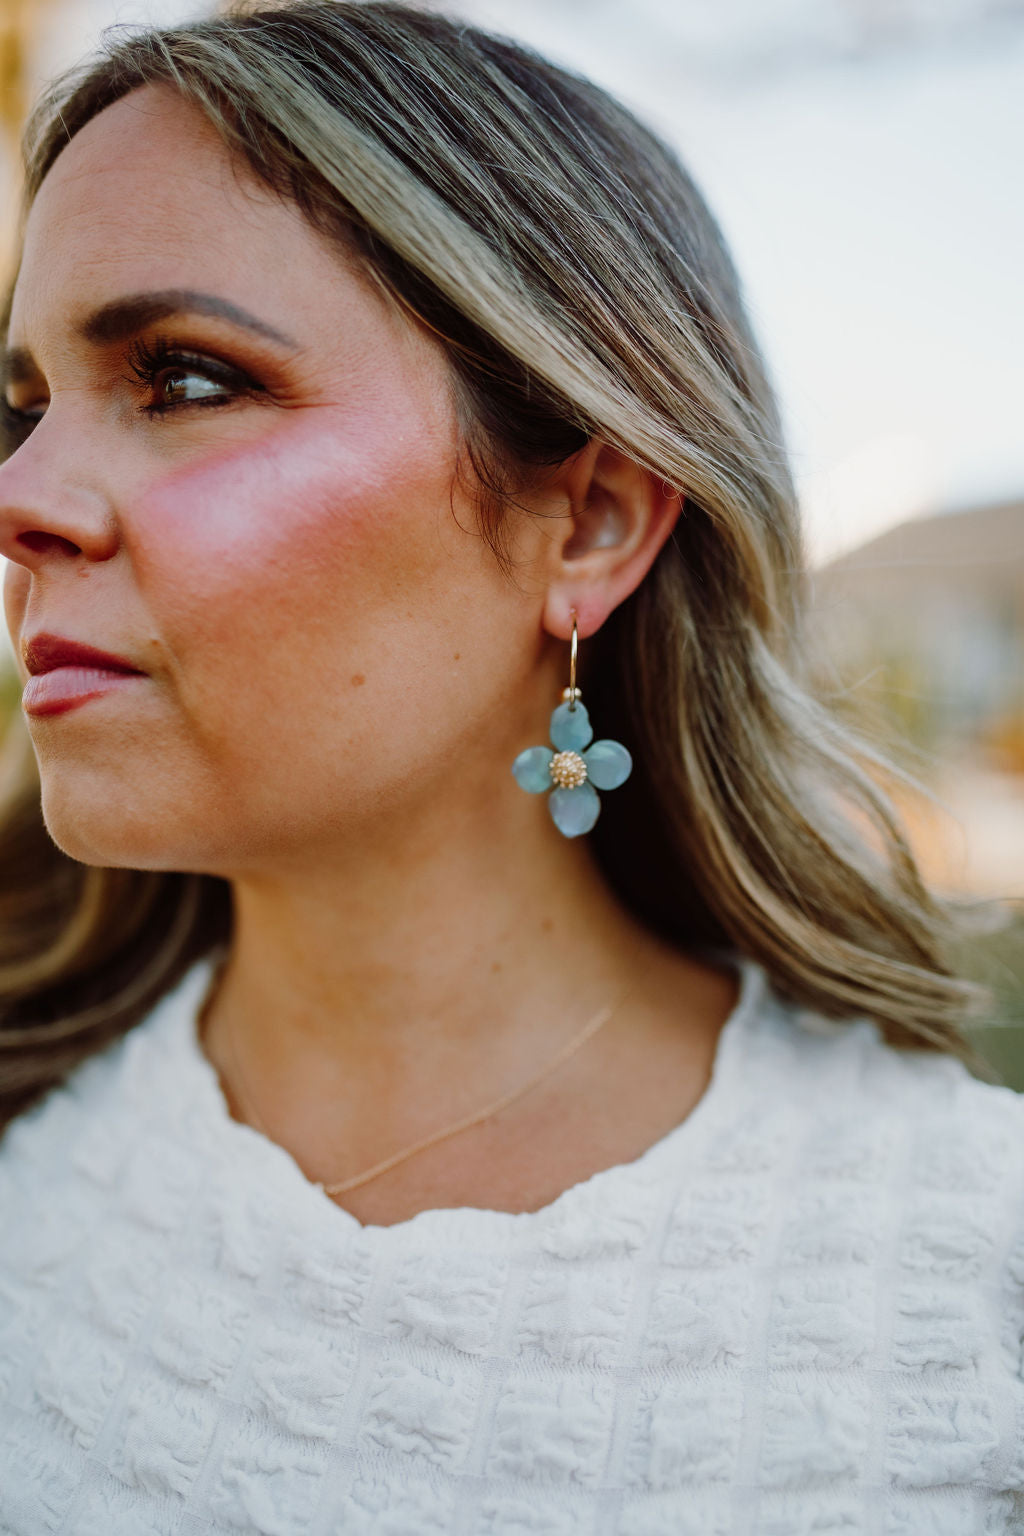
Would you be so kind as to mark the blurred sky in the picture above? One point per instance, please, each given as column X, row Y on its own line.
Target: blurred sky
column 864, row 158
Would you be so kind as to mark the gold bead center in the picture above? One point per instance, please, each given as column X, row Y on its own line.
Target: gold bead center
column 568, row 770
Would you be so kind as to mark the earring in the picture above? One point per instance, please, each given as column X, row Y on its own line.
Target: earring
column 574, row 771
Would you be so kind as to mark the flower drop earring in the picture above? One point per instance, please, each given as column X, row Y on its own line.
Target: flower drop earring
column 574, row 771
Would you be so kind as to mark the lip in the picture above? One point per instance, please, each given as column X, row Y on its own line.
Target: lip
column 67, row 673
column 62, row 688
column 45, row 652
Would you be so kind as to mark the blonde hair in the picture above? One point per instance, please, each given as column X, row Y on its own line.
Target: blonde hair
column 581, row 289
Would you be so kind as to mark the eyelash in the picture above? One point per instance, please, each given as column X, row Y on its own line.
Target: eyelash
column 147, row 360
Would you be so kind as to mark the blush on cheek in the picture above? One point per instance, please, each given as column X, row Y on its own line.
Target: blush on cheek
column 290, row 504
column 269, row 497
column 302, row 540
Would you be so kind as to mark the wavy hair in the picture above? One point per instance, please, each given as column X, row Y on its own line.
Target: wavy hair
column 580, row 288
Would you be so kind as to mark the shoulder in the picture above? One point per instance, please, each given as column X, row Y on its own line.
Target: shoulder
column 848, row 1151
column 861, row 1209
column 899, row 1165
column 836, row 1076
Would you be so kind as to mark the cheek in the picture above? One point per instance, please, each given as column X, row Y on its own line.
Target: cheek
column 294, row 549
column 300, row 591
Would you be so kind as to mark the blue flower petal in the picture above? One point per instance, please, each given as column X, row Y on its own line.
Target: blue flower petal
column 608, row 764
column 574, row 810
column 571, row 729
column 531, row 769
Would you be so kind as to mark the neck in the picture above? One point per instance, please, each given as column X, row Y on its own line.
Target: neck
column 395, row 972
column 368, row 1003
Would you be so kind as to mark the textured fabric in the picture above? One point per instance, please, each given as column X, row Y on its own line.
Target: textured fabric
column 801, row 1311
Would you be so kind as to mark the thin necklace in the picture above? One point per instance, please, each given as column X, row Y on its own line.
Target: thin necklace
column 344, row 1185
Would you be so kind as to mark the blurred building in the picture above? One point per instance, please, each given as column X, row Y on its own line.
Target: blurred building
column 935, row 608
column 926, row 623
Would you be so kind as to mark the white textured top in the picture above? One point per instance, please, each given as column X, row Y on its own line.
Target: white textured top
column 799, row 1312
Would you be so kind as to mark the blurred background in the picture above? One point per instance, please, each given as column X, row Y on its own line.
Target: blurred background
column 864, row 160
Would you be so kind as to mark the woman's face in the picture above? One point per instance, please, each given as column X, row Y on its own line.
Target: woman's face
column 242, row 479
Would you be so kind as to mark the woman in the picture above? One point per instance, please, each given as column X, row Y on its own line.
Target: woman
column 390, row 1149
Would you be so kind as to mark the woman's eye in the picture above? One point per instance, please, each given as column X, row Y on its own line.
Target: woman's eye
column 168, row 381
column 173, row 380
column 181, row 387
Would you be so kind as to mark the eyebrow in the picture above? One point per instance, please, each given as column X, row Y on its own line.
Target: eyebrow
column 122, row 318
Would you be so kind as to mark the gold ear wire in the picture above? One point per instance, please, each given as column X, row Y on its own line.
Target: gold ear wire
column 572, row 693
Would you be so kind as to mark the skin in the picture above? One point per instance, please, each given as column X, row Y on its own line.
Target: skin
column 338, row 678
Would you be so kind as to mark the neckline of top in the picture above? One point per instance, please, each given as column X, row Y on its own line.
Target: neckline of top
column 247, row 1149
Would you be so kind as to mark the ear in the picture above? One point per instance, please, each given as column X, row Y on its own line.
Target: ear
column 620, row 517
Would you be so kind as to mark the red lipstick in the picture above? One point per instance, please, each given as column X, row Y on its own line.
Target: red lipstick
column 66, row 673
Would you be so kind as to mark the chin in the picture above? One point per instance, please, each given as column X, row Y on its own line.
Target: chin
column 83, row 846
column 109, row 836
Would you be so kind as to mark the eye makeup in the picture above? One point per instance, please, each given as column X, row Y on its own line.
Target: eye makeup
column 160, row 366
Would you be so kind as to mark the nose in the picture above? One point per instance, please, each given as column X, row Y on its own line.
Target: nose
column 53, row 507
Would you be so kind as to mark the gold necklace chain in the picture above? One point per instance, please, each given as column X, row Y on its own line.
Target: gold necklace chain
column 467, row 1123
